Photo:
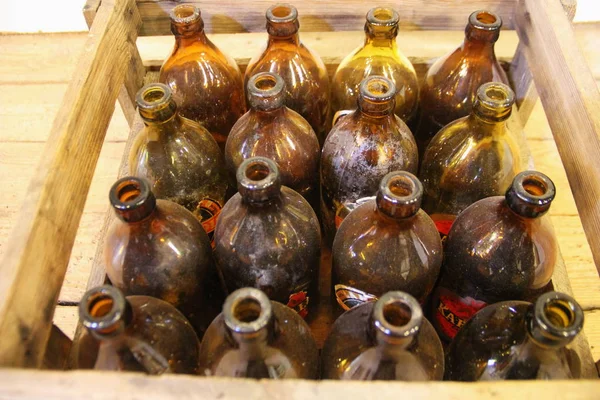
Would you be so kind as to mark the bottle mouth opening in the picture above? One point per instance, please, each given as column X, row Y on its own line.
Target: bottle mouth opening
column 485, row 20
column 558, row 315
column 247, row 310
column 400, row 189
column 101, row 308
column 282, row 13
column 534, row 187
column 378, row 89
column 257, row 171
column 185, row 14
column 127, row 192
column 265, row 85
column 496, row 95
column 153, row 96
column 397, row 314
column 258, row 179
column 383, row 16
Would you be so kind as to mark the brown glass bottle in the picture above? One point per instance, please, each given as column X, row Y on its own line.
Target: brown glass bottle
column 272, row 130
column 157, row 248
column 449, row 89
column 472, row 158
column 361, row 149
column 518, row 340
column 268, row 237
column 206, row 83
column 179, row 158
column 135, row 333
column 303, row 71
column 387, row 244
column 385, row 340
column 257, row 338
column 379, row 55
column 500, row 248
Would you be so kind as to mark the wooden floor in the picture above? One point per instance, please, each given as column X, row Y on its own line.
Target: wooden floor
column 34, row 72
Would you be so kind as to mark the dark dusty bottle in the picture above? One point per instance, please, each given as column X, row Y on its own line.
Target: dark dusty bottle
column 272, row 130
column 518, row 340
column 471, row 158
column 268, row 237
column 158, row 248
column 305, row 76
column 387, row 244
column 257, row 338
column 385, row 340
column 135, row 333
column 500, row 248
column 361, row 149
column 379, row 55
column 179, row 158
column 207, row 84
column 450, row 86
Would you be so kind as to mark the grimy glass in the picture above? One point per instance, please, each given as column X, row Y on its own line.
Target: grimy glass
column 500, row 248
column 206, row 83
column 386, row 340
column 272, row 130
column 361, row 149
column 379, row 55
column 518, row 340
column 449, row 89
column 385, row 244
column 305, row 76
column 257, row 338
column 178, row 157
column 134, row 333
column 471, row 158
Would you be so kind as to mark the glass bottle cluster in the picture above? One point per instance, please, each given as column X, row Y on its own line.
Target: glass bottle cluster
column 464, row 245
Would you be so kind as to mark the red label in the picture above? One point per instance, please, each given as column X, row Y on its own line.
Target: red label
column 299, row 303
column 453, row 311
column 349, row 297
column 443, row 227
column 208, row 210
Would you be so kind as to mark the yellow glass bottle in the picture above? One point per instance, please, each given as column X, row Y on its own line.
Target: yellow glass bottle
column 379, row 55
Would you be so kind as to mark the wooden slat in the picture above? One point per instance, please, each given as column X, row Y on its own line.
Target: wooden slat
column 57, row 350
column 36, row 259
column 315, row 16
column 17, row 384
column 571, row 100
column 89, row 10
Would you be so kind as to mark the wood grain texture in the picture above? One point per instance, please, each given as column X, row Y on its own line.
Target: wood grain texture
column 57, row 350
column 338, row 15
column 90, row 8
column 16, row 385
column 572, row 103
column 37, row 255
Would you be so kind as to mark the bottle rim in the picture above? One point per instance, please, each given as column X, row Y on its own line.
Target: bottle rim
column 496, row 95
column 398, row 191
column 153, row 96
column 531, row 193
column 485, row 20
column 397, row 314
column 383, row 16
column 101, row 309
column 559, row 318
column 377, row 89
column 132, row 198
column 258, row 178
column 266, row 90
column 184, row 14
column 247, row 310
column 282, row 13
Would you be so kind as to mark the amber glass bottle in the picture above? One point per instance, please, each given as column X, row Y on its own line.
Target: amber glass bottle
column 518, row 340
column 387, row 244
column 272, row 130
column 500, row 248
column 157, row 248
column 449, row 89
column 379, row 55
column 472, row 158
column 179, row 158
column 135, row 333
column 385, row 340
column 207, row 84
column 361, row 149
column 257, row 338
column 303, row 71
column 268, row 237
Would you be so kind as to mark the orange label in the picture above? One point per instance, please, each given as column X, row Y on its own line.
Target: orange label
column 209, row 210
column 299, row 303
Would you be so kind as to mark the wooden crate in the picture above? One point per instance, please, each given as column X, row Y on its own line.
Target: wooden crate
column 111, row 67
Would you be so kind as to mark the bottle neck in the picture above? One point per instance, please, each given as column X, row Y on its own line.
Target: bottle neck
column 486, row 127
column 478, row 49
column 266, row 92
column 253, row 345
column 381, row 27
column 530, row 194
column 187, row 40
column 132, row 199
column 259, row 182
column 187, row 25
column 381, row 41
column 156, row 105
column 283, row 24
column 106, row 313
column 399, row 196
column 275, row 40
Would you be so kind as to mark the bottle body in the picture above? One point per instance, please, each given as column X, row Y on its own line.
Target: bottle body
column 450, row 86
column 258, row 338
column 356, row 350
column 192, row 70
column 303, row 71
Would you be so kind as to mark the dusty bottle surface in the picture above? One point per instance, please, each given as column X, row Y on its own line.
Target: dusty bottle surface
column 206, row 83
column 385, row 340
column 472, row 158
column 387, row 244
column 179, row 158
column 518, row 340
column 303, row 71
column 449, row 89
column 500, row 248
column 135, row 333
column 361, row 149
column 268, row 237
column 257, row 338
column 379, row 55
column 157, row 248
column 272, row 130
